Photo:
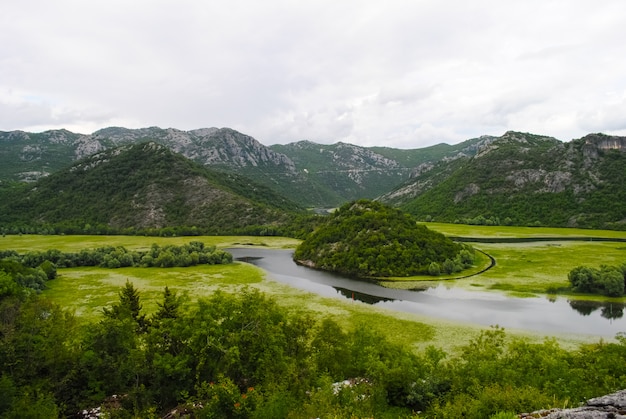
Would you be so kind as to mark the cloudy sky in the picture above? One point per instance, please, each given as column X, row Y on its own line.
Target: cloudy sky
column 399, row 73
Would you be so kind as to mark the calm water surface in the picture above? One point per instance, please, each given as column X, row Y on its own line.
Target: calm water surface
column 538, row 314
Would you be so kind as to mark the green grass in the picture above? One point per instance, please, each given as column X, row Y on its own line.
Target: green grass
column 26, row 242
column 522, row 268
column 88, row 290
column 464, row 230
column 541, row 267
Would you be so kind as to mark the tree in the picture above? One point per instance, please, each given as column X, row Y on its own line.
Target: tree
column 583, row 278
column 8, row 286
column 449, row 266
column 49, row 269
column 168, row 309
column 611, row 281
column 129, row 306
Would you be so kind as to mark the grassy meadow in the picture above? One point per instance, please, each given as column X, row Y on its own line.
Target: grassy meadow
column 464, row 230
column 536, row 267
column 521, row 269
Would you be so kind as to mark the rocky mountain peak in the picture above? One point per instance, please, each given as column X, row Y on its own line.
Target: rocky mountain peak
column 204, row 132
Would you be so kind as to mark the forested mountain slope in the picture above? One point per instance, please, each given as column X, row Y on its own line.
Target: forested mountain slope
column 518, row 178
column 525, row 179
column 309, row 173
column 144, row 186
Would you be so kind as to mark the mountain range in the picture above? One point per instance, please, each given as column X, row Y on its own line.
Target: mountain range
column 314, row 175
column 517, row 178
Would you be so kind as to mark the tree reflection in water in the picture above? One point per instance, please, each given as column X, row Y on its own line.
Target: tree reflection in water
column 608, row 310
column 365, row 298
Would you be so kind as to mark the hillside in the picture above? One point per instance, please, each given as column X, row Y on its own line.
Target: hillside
column 346, row 172
column 524, row 179
column 311, row 174
column 368, row 239
column 144, row 186
column 518, row 178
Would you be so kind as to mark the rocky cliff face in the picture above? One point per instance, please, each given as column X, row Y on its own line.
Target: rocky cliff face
column 606, row 142
column 208, row 146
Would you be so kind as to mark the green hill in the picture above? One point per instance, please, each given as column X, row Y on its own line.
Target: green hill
column 524, row 179
column 144, row 186
column 368, row 239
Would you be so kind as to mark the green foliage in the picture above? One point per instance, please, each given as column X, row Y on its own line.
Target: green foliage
column 169, row 308
column 24, row 276
column 129, row 306
column 8, row 286
column 368, row 239
column 142, row 187
column 49, row 269
column 245, row 356
column 434, row 269
column 194, row 253
column 525, row 180
column 223, row 399
column 504, row 415
column 608, row 280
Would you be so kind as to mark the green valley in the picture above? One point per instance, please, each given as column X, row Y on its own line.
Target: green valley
column 227, row 321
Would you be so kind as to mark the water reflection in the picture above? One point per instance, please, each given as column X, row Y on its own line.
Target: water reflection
column 362, row 297
column 540, row 314
column 607, row 310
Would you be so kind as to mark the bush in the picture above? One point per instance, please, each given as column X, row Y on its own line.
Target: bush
column 434, row 269
column 608, row 280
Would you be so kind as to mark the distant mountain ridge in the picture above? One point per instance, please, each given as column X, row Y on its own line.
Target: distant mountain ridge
column 309, row 173
column 517, row 178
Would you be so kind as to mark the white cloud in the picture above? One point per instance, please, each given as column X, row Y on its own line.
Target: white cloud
column 395, row 73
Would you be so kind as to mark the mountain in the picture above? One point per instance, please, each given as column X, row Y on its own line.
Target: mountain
column 46, row 152
column 28, row 156
column 144, row 186
column 517, row 178
column 309, row 173
column 524, row 179
column 343, row 172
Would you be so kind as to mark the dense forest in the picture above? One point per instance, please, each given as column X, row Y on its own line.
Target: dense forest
column 368, row 239
column 244, row 356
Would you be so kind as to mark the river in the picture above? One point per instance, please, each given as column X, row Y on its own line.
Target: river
column 536, row 314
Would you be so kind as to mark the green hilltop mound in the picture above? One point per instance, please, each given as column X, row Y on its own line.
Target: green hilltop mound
column 369, row 239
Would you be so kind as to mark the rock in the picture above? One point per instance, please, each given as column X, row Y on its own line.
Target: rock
column 612, row 406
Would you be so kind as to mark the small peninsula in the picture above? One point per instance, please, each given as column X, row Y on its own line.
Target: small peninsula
column 367, row 239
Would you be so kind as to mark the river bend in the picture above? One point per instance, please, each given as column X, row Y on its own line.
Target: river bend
column 537, row 314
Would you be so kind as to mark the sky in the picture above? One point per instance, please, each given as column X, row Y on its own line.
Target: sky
column 396, row 73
